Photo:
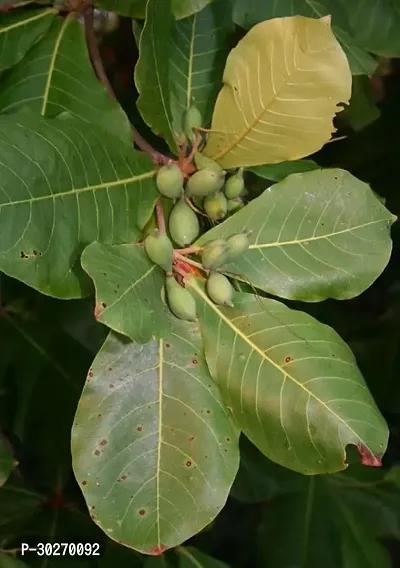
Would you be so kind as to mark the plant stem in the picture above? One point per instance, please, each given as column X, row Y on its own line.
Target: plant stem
column 189, row 261
column 160, row 217
column 93, row 48
column 188, row 250
column 195, row 209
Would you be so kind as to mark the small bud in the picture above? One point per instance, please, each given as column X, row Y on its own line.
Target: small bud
column 216, row 206
column 234, row 186
column 204, row 163
column 220, row 289
column 169, row 181
column 237, row 245
column 193, row 120
column 234, row 204
column 215, row 254
column 159, row 249
column 181, row 302
column 205, row 182
column 183, row 224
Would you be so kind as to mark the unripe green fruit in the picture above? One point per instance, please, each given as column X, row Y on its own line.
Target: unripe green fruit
column 204, row 163
column 237, row 245
column 159, row 249
column 193, row 119
column 183, row 224
column 205, row 182
column 169, row 181
column 234, row 204
column 215, row 254
column 220, row 289
column 180, row 300
column 216, row 206
column 234, row 186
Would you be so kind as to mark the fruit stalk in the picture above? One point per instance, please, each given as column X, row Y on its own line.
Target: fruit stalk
column 160, row 217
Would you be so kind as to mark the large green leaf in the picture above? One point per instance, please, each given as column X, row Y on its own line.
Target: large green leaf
column 65, row 185
column 19, row 31
column 9, row 561
column 190, row 557
column 128, row 290
column 200, row 48
column 247, row 14
column 277, row 172
column 57, row 76
column 316, row 235
column 291, row 383
column 375, row 25
column 282, row 87
column 152, row 73
column 316, row 527
column 362, row 110
column 180, row 8
column 153, row 447
column 7, row 461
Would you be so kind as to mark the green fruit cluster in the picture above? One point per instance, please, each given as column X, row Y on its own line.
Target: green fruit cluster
column 180, row 300
column 219, row 252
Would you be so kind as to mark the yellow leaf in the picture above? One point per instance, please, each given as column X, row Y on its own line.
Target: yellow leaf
column 282, row 87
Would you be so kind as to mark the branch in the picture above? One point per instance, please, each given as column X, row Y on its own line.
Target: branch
column 93, row 48
column 160, row 217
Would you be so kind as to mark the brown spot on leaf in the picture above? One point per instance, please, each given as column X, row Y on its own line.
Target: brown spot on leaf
column 103, row 442
column 90, row 373
column 123, row 477
column 84, row 482
column 188, row 463
column 37, row 253
column 142, row 512
column 99, row 416
column 167, row 345
column 110, row 368
column 97, row 452
column 288, row 359
column 195, row 362
column 111, row 386
column 139, row 428
column 191, row 438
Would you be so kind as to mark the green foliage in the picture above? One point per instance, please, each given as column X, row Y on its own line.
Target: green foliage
column 166, row 193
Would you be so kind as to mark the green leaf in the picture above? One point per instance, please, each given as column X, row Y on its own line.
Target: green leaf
column 375, row 25
column 18, row 502
column 7, row 461
column 200, row 48
column 180, row 8
column 19, row 32
column 65, row 185
column 128, row 290
column 291, row 383
column 153, row 447
column 46, row 381
column 282, row 87
column 317, row 528
column 261, row 480
column 316, row 235
column 128, row 8
column 57, row 76
column 278, row 172
column 247, row 14
column 8, row 561
column 362, row 110
column 190, row 557
column 152, row 75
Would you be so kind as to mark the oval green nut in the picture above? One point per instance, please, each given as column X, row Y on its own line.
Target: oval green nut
column 215, row 254
column 169, row 181
column 204, row 163
column 220, row 289
column 216, row 206
column 193, row 120
column 181, row 302
column 237, row 245
column 205, row 182
column 234, row 204
column 159, row 249
column 183, row 224
column 234, row 186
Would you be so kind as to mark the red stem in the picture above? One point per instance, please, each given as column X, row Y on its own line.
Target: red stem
column 93, row 48
column 160, row 217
